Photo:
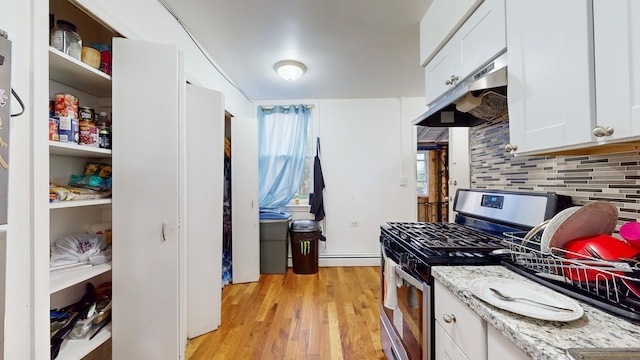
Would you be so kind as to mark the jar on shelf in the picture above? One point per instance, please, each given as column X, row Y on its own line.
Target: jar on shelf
column 65, row 39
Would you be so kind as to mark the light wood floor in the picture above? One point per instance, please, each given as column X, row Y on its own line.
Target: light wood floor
column 333, row 314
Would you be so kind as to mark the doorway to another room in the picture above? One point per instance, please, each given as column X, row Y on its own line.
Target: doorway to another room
column 432, row 183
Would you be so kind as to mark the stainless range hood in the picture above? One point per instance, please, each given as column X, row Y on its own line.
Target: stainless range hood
column 476, row 99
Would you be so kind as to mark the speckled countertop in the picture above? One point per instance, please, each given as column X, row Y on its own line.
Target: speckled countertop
column 538, row 338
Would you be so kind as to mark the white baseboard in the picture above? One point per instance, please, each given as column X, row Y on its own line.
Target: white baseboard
column 331, row 260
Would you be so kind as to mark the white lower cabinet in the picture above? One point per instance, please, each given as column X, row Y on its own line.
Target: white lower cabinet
column 464, row 329
column 461, row 334
column 446, row 348
column 500, row 348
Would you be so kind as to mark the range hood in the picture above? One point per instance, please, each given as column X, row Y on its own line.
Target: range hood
column 478, row 98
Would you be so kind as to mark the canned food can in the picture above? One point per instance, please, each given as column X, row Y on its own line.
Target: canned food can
column 66, row 105
column 68, row 129
column 105, row 138
column 88, row 134
column 86, row 113
column 52, row 108
column 53, row 129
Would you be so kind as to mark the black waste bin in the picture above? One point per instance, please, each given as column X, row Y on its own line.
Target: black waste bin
column 304, row 235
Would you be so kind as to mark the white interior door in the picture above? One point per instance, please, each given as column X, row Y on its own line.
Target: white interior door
column 245, row 221
column 459, row 170
column 203, row 218
column 147, row 120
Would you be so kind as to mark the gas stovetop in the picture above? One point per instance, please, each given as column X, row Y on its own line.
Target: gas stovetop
column 441, row 243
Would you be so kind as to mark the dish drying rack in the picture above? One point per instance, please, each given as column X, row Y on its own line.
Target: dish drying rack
column 604, row 284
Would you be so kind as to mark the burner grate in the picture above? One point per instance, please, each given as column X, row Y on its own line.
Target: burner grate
column 446, row 237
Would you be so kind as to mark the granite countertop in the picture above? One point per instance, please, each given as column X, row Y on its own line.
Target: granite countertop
column 539, row 339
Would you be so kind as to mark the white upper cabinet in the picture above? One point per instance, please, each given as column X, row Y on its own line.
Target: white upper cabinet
column 551, row 83
column 440, row 22
column 480, row 39
column 617, row 68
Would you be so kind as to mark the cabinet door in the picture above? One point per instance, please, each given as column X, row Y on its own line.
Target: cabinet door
column 551, row 82
column 245, row 220
column 482, row 37
column 440, row 22
column 446, row 348
column 203, row 220
column 438, row 72
column 468, row 331
column 147, row 250
column 499, row 347
column 617, row 56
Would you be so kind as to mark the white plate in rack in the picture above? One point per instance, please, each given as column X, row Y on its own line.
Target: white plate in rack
column 515, row 288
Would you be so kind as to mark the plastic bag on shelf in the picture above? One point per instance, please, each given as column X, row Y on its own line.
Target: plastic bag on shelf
column 101, row 229
column 78, row 248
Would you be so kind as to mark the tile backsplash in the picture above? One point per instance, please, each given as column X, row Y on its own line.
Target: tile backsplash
column 586, row 178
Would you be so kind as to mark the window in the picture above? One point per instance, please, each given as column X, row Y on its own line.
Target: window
column 306, row 186
column 422, row 180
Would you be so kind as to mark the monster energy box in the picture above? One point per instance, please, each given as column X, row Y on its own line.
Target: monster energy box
column 304, row 246
column 273, row 243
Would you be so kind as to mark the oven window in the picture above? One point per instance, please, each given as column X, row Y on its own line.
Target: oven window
column 407, row 319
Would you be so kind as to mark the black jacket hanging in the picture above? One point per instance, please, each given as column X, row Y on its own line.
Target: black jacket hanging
column 315, row 199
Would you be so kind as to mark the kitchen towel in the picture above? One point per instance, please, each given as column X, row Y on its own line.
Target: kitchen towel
column 392, row 282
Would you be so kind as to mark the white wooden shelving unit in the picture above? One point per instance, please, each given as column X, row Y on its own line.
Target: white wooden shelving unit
column 93, row 88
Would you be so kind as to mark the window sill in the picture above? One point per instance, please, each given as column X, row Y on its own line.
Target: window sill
column 297, row 208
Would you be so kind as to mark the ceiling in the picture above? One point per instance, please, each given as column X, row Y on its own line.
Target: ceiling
column 352, row 49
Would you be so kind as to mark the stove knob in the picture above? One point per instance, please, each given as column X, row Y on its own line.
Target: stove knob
column 404, row 258
column 411, row 263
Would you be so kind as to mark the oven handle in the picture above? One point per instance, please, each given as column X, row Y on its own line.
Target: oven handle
column 403, row 274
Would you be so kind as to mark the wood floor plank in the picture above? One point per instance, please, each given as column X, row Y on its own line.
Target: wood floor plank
column 331, row 315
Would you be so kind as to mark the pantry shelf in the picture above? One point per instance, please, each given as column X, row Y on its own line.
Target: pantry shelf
column 72, row 149
column 65, row 279
column 72, row 72
column 79, row 203
column 78, row 349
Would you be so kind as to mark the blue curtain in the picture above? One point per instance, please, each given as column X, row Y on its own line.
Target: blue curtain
column 282, row 140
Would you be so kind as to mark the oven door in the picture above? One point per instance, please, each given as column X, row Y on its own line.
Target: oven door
column 405, row 330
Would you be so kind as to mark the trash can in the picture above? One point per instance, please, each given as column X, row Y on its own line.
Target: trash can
column 304, row 246
column 274, row 236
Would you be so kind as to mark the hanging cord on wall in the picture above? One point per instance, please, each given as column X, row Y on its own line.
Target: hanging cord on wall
column 202, row 50
column 15, row 94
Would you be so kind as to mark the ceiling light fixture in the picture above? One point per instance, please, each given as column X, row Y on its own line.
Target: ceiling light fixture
column 290, row 70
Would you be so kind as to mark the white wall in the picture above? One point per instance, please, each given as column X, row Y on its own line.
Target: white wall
column 368, row 149
column 149, row 20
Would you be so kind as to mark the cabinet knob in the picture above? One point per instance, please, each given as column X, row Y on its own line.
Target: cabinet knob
column 510, row 148
column 601, row 131
column 452, row 80
column 449, row 318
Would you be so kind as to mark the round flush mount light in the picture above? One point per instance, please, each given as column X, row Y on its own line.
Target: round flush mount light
column 290, row 70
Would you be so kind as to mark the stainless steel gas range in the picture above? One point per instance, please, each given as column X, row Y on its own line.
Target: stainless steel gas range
column 409, row 250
